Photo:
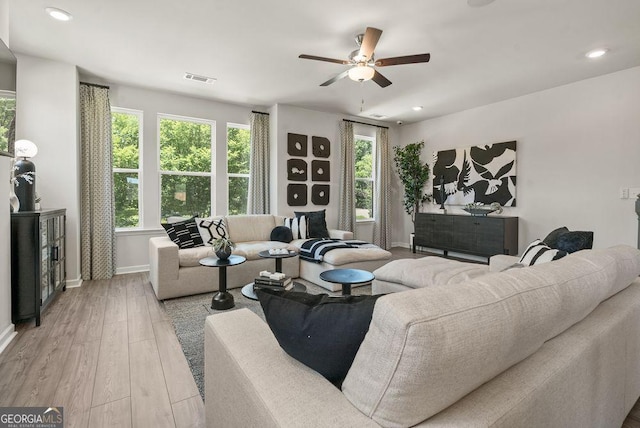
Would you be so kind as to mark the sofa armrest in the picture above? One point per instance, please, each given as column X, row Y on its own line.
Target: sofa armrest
column 340, row 234
column 500, row 262
column 251, row 381
column 163, row 261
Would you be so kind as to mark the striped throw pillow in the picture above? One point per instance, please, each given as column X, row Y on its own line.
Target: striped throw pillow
column 298, row 226
column 184, row 234
column 538, row 252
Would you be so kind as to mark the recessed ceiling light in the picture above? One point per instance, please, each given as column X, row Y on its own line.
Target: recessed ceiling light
column 596, row 53
column 416, row 108
column 58, row 14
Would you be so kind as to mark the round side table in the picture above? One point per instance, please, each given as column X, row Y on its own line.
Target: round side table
column 222, row 299
column 249, row 292
column 347, row 278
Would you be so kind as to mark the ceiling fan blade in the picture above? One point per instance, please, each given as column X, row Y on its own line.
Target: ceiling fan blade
column 399, row 60
column 321, row 58
column 380, row 79
column 336, row 78
column 369, row 42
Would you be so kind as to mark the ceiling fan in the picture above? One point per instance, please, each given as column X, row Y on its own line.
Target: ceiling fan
column 362, row 60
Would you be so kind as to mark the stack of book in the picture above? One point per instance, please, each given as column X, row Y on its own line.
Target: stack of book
column 284, row 283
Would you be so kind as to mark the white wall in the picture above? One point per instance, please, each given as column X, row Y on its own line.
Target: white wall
column 578, row 144
column 47, row 114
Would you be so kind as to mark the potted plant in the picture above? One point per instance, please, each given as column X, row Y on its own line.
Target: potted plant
column 414, row 175
column 223, row 247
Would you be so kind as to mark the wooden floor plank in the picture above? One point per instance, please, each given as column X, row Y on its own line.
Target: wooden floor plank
column 113, row 414
column 91, row 319
column 138, row 319
column 150, row 406
column 75, row 388
column 179, row 380
column 39, row 385
column 112, row 380
column 189, row 413
column 116, row 306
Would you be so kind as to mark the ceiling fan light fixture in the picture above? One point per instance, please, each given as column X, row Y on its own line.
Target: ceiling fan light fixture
column 417, row 108
column 361, row 73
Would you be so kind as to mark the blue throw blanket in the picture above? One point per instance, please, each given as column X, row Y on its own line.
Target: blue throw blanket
column 313, row 250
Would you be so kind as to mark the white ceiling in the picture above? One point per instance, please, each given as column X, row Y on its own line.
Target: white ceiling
column 479, row 55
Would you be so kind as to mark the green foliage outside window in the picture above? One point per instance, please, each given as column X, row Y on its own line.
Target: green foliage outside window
column 125, row 129
column 238, row 154
column 364, row 169
column 7, row 113
column 185, row 146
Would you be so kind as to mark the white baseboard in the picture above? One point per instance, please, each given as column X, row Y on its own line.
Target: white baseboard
column 132, row 269
column 74, row 283
column 7, row 336
column 400, row 244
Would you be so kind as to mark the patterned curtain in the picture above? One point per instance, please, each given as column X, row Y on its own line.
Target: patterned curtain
column 258, row 195
column 382, row 225
column 97, row 229
column 347, row 206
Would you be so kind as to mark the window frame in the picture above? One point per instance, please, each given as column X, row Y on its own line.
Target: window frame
column 372, row 179
column 139, row 171
column 211, row 174
column 235, row 174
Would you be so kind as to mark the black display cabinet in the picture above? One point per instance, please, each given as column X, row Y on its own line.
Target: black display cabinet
column 37, row 261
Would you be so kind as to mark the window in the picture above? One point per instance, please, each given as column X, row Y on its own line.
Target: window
column 125, row 137
column 7, row 119
column 186, row 178
column 365, row 174
column 238, row 153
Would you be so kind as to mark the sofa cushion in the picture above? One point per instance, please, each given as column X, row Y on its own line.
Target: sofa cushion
column 190, row 257
column 282, row 234
column 552, row 238
column 298, row 226
column 575, row 241
column 317, row 223
column 429, row 347
column 211, row 228
column 244, row 228
column 184, row 233
column 322, row 332
column 428, row 271
column 250, row 250
column 537, row 253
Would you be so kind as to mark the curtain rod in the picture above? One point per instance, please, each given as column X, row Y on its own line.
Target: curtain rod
column 95, row 84
column 362, row 123
column 259, row 112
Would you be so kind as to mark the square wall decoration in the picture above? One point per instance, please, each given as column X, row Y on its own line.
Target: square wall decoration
column 320, row 170
column 297, row 170
column 297, row 195
column 296, row 144
column 483, row 174
column 320, row 194
column 321, row 147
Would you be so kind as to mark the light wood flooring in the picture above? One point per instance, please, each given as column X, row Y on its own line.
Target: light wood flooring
column 108, row 353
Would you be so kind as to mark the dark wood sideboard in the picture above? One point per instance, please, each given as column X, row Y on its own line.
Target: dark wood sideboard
column 481, row 236
column 37, row 261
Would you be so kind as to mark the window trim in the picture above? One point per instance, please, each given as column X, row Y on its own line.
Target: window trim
column 235, row 174
column 140, row 115
column 211, row 174
column 372, row 179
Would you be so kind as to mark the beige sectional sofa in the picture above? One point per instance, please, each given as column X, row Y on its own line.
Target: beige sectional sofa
column 553, row 345
column 177, row 272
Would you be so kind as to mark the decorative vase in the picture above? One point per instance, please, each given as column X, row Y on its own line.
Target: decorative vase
column 223, row 253
column 14, row 201
column 25, row 184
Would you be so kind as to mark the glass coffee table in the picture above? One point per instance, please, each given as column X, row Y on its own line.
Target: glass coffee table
column 222, row 299
column 247, row 290
column 347, row 278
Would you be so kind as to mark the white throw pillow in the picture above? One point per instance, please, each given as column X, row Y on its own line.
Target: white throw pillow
column 538, row 252
column 211, row 228
column 298, row 226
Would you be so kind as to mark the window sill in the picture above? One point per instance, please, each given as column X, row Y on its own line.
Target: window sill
column 367, row 221
column 132, row 231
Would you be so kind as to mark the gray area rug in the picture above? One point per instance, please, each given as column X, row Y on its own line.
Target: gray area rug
column 189, row 313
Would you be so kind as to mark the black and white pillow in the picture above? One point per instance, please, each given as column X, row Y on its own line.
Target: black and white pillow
column 538, row 252
column 298, row 226
column 212, row 228
column 184, row 233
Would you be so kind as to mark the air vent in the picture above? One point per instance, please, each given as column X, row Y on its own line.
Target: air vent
column 377, row 116
column 198, row 78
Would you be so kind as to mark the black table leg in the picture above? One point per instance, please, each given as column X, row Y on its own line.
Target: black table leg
column 222, row 299
column 346, row 289
column 278, row 264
